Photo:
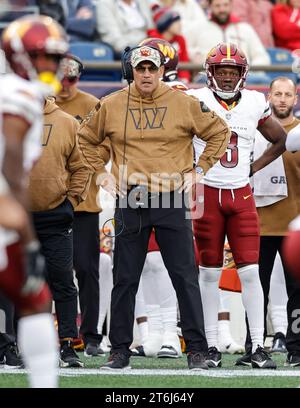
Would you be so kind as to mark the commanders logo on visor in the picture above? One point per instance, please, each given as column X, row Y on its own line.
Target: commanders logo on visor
column 145, row 54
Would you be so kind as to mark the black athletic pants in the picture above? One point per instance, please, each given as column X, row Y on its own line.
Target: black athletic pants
column 86, row 264
column 174, row 235
column 55, row 231
column 269, row 246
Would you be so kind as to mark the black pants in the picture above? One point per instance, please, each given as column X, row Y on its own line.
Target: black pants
column 86, row 264
column 175, row 239
column 55, row 231
column 269, row 246
column 7, row 334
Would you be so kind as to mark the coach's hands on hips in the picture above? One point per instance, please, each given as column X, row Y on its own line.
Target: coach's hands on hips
column 108, row 182
column 34, row 269
column 191, row 179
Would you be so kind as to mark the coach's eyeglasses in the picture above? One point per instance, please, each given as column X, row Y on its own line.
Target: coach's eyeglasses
column 71, row 80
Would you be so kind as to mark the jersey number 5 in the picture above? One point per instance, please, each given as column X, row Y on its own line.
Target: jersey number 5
column 230, row 158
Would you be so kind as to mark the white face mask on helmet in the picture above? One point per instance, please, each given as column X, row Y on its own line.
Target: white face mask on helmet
column 229, row 55
column 227, row 94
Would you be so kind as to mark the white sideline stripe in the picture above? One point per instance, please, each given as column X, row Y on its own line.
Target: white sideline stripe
column 220, row 373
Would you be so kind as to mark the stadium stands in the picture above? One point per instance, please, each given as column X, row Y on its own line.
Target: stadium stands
column 9, row 14
column 281, row 56
column 95, row 52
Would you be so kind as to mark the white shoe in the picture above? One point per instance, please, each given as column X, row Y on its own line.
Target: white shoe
column 105, row 345
column 167, row 351
column 231, row 348
column 171, row 346
column 153, row 344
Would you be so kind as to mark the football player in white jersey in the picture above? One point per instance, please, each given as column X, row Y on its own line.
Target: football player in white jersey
column 170, row 77
column 229, row 207
column 33, row 47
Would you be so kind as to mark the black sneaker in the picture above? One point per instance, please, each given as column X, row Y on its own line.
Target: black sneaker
column 261, row 359
column 293, row 359
column 68, row 356
column 196, row 360
column 213, row 358
column 279, row 344
column 93, row 350
column 117, row 361
column 11, row 357
column 245, row 360
column 138, row 352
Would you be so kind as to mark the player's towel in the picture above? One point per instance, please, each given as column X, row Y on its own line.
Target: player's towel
column 266, row 188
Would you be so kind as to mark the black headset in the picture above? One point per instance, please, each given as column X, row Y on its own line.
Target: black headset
column 127, row 71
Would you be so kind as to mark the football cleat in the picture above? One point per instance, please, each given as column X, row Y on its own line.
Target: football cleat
column 293, row 360
column 213, row 358
column 261, row 359
column 11, row 357
column 68, row 356
column 138, row 352
column 279, row 344
column 245, row 360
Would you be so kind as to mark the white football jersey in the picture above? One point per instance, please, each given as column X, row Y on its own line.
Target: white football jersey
column 24, row 99
column 179, row 86
column 232, row 170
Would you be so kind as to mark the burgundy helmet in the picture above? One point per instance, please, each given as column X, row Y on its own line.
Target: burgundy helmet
column 170, row 54
column 29, row 36
column 226, row 54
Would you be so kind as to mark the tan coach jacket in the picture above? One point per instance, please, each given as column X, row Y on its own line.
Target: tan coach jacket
column 79, row 106
column 158, row 134
column 60, row 172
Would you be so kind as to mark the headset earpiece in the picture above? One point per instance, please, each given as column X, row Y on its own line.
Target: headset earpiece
column 127, row 70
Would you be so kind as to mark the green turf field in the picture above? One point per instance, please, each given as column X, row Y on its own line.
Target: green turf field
column 166, row 373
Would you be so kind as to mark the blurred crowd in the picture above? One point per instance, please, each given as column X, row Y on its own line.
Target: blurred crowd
column 192, row 26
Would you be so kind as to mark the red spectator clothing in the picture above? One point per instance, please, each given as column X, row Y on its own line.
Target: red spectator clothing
column 179, row 43
column 286, row 26
column 258, row 14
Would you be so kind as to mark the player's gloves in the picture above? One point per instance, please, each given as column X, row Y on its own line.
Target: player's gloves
column 34, row 269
